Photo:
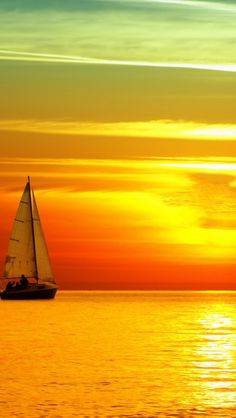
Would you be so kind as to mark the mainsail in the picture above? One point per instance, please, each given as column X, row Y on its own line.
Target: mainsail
column 42, row 257
column 27, row 250
column 20, row 258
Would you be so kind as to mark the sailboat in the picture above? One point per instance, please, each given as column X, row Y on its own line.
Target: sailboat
column 27, row 266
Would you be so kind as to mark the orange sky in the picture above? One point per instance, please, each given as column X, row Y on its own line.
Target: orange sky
column 143, row 223
column 129, row 138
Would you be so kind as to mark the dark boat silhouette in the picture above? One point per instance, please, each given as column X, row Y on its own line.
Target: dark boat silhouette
column 27, row 258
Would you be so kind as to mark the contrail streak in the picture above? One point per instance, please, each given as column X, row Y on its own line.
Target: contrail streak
column 39, row 57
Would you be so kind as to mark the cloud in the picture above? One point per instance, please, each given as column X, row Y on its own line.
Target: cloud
column 97, row 5
column 146, row 129
column 220, row 6
column 154, row 174
column 151, row 32
column 40, row 57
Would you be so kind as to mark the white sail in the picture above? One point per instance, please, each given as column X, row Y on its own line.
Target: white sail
column 43, row 262
column 20, row 258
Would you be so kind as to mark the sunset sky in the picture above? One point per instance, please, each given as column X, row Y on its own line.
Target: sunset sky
column 123, row 114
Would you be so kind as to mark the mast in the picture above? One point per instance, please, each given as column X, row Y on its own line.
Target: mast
column 33, row 235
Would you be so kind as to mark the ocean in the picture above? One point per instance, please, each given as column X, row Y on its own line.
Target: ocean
column 119, row 354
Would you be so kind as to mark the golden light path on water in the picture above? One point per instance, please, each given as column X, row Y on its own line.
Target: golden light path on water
column 216, row 358
column 120, row 354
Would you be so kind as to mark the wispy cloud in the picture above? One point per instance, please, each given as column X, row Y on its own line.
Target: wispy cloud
column 40, row 57
column 231, row 8
column 77, row 167
column 146, row 129
column 176, row 32
column 97, row 5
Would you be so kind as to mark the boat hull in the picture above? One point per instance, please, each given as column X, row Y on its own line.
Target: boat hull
column 29, row 293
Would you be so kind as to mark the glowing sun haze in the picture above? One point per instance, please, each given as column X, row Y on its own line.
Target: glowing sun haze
column 128, row 132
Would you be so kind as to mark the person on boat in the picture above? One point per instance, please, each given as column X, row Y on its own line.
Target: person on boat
column 9, row 285
column 24, row 281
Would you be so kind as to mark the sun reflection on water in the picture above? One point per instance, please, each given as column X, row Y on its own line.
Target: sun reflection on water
column 216, row 359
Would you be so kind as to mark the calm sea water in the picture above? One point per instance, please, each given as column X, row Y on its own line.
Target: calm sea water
column 119, row 354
